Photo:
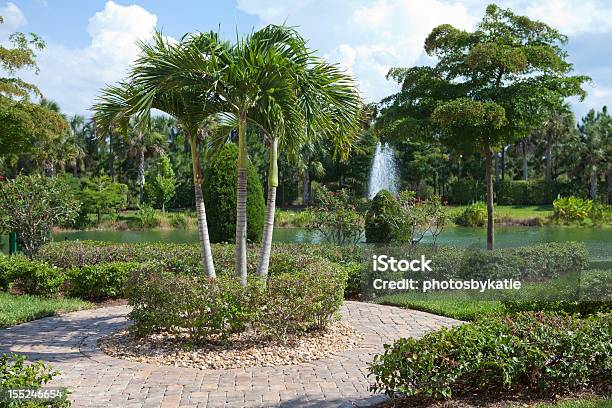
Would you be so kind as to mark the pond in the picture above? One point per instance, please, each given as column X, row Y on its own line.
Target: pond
column 597, row 240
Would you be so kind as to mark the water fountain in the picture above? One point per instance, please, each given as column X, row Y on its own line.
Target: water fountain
column 384, row 172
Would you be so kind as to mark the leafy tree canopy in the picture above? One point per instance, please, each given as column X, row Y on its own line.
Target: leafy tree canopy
column 489, row 87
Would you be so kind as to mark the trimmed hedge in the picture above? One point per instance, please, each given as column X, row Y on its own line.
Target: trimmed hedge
column 510, row 192
column 532, row 262
column 30, row 276
column 219, row 191
column 289, row 303
column 185, row 258
column 100, row 281
column 378, row 229
column 538, row 352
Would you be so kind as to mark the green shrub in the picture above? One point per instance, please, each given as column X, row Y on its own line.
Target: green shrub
column 31, row 276
column 179, row 221
column 475, row 215
column 571, row 209
column 336, row 218
column 100, row 281
column 594, row 295
column 529, row 351
column 175, row 303
column 302, row 301
column 219, row 190
column 16, row 373
column 146, row 217
column 600, row 213
column 5, row 272
column 290, row 302
column 378, row 228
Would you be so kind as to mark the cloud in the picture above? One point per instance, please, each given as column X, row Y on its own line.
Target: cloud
column 73, row 76
column 13, row 19
column 366, row 38
column 572, row 17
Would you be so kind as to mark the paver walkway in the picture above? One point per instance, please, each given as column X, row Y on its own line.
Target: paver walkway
column 68, row 342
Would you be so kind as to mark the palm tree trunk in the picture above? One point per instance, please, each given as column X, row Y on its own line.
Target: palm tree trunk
column 496, row 164
column 205, row 250
column 489, row 179
column 593, row 189
column 525, row 161
column 503, row 163
column 609, row 176
column 306, row 187
column 241, row 203
column 141, row 173
column 111, row 157
column 549, row 140
column 266, row 246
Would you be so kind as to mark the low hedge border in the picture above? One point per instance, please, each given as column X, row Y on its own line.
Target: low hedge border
column 536, row 352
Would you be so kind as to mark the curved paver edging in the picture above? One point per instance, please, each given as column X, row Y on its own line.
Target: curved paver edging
column 69, row 343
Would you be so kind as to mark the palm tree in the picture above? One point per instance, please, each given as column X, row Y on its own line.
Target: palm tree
column 77, row 130
column 558, row 124
column 595, row 133
column 161, row 80
column 257, row 72
column 328, row 107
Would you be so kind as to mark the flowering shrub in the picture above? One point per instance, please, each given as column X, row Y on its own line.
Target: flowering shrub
column 336, row 218
column 208, row 311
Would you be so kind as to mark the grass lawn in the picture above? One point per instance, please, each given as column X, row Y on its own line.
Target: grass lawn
column 520, row 212
column 15, row 309
column 469, row 305
column 459, row 307
column 581, row 403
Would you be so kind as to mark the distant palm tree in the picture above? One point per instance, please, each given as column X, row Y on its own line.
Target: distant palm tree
column 77, row 128
column 593, row 143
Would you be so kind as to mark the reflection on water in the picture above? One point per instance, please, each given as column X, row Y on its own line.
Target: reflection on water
column 597, row 240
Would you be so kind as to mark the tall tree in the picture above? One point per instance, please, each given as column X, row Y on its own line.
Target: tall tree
column 488, row 89
column 23, row 125
column 594, row 141
column 556, row 128
column 258, row 71
column 328, row 109
column 161, row 79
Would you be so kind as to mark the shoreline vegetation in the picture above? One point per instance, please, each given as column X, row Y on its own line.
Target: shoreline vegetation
column 506, row 215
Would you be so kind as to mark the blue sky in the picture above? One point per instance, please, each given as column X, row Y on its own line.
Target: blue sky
column 91, row 43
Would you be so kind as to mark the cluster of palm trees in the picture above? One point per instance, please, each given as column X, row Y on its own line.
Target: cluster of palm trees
column 269, row 80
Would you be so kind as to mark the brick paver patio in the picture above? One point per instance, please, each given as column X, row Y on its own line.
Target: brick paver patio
column 68, row 342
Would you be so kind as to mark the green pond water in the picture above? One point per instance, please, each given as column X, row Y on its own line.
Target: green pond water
column 597, row 240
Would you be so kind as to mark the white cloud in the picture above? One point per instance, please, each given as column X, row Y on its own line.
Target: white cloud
column 13, row 19
column 73, row 76
column 573, row 17
column 366, row 38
